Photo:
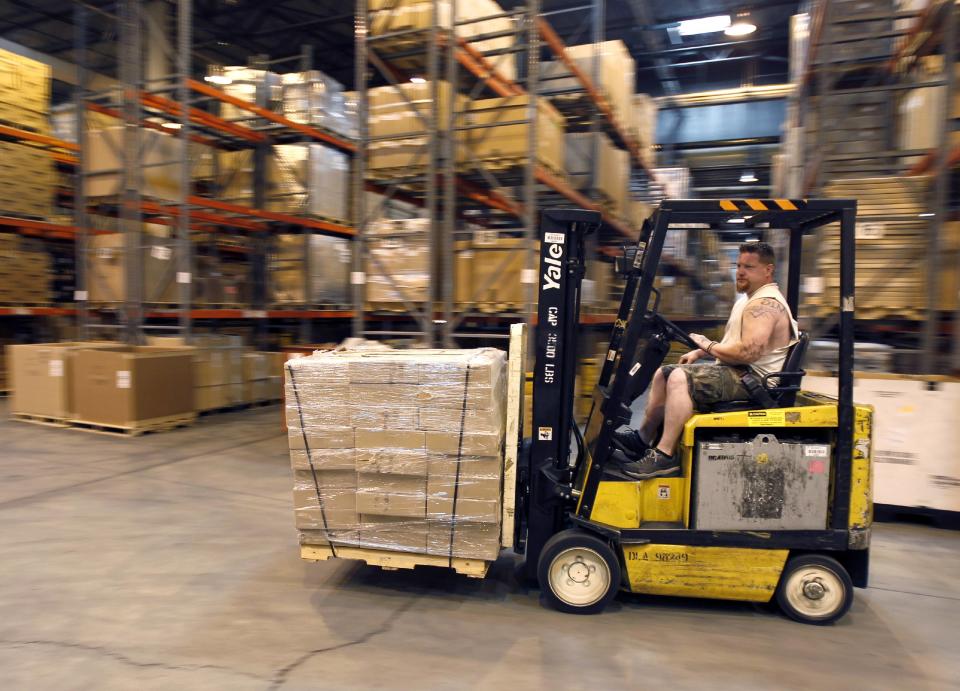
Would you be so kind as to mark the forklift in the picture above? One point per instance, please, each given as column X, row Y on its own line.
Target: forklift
column 774, row 499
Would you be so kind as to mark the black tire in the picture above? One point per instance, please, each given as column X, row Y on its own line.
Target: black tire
column 815, row 589
column 597, row 571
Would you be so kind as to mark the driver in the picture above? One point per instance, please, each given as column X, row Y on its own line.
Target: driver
column 758, row 335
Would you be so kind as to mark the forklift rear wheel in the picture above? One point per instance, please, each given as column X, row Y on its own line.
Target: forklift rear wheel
column 815, row 589
column 578, row 572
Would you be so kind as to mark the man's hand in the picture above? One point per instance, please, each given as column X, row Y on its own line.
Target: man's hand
column 692, row 357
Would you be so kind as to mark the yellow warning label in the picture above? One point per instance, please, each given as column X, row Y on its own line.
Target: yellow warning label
column 766, row 418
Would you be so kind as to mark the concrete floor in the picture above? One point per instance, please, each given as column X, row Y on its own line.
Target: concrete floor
column 170, row 561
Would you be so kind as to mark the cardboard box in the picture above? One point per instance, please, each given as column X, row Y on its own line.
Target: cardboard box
column 470, row 540
column 393, row 533
column 509, row 142
column 390, row 439
column 325, row 499
column 321, row 438
column 255, row 366
column 593, row 151
column 396, row 111
column 160, row 161
column 260, row 390
column 490, row 271
column 123, row 385
column 324, row 459
column 41, row 377
column 472, row 444
column 617, row 71
column 392, row 461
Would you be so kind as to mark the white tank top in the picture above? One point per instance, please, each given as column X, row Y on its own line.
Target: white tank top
column 772, row 361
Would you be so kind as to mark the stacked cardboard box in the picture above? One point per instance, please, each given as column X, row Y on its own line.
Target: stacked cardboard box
column 302, row 179
column 329, row 265
column 108, row 267
column 400, row 115
column 244, row 83
column 616, row 70
column 489, row 271
column 593, row 151
column 27, row 180
column 161, row 162
column 218, row 368
column 25, row 271
column 41, row 378
column 260, row 379
column 127, row 386
column 397, row 261
column 506, row 144
column 24, row 92
column 398, row 451
column 391, row 16
column 315, row 98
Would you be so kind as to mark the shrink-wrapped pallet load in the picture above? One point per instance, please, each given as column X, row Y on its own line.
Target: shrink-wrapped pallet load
column 398, row 451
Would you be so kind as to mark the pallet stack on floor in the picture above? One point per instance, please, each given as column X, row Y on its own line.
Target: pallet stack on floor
column 131, row 390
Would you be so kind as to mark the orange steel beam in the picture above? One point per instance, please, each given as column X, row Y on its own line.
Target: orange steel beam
column 477, row 64
column 258, row 314
column 928, row 161
column 37, row 311
column 336, row 228
column 110, row 112
column 203, row 117
column 556, row 44
column 925, row 15
column 43, row 228
column 164, row 210
column 212, row 92
column 38, row 138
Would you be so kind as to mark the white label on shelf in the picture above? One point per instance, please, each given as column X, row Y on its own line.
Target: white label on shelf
column 21, row 311
column 183, row 277
column 611, row 355
column 123, row 379
column 667, row 281
column 486, row 237
column 813, row 284
column 528, row 276
column 870, row 231
column 554, row 238
column 55, row 368
column 358, row 278
column 161, row 253
column 79, row 296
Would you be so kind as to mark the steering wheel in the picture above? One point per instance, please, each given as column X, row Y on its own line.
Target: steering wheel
column 672, row 330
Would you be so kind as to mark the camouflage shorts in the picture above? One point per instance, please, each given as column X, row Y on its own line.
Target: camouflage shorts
column 710, row 384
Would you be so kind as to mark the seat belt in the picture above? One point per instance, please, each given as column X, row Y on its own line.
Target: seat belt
column 754, row 386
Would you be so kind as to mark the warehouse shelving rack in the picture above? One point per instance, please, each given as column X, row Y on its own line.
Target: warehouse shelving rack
column 448, row 192
column 187, row 106
column 886, row 75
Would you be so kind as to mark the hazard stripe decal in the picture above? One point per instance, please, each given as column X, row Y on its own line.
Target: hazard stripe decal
column 728, row 205
column 756, row 205
column 785, row 204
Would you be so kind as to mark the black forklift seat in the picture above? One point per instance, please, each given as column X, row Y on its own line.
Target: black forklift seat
column 784, row 394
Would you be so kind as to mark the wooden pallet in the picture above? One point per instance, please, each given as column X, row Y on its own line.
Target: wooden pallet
column 391, row 561
column 44, row 420
column 160, row 424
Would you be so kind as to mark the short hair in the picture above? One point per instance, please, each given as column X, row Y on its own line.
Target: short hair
column 763, row 250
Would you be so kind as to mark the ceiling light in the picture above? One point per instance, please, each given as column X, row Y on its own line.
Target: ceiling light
column 748, row 176
column 742, row 26
column 221, row 79
column 171, row 125
column 417, row 80
column 926, row 215
column 704, row 25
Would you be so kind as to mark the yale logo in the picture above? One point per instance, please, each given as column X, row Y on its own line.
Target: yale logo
column 552, row 273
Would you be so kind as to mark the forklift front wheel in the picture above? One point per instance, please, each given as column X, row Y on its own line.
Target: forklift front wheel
column 578, row 572
column 815, row 589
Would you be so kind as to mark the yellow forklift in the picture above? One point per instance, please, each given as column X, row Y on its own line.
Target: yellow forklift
column 774, row 499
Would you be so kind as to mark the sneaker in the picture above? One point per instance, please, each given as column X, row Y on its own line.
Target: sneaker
column 629, row 441
column 654, row 463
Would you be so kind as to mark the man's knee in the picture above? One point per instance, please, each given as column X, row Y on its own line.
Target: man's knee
column 677, row 384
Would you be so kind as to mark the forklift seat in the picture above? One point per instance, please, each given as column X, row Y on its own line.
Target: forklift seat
column 784, row 394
